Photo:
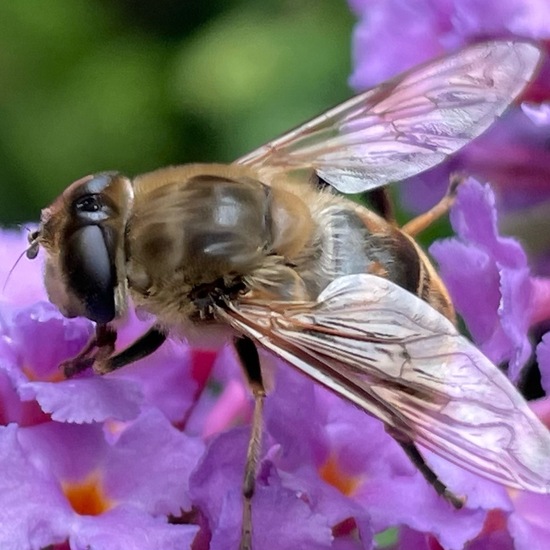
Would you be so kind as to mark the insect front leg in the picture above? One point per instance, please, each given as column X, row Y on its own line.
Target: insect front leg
column 248, row 355
column 431, row 477
column 146, row 344
column 99, row 351
column 100, row 346
column 422, row 222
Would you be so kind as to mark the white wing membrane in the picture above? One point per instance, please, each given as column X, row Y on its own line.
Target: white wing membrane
column 393, row 355
column 406, row 125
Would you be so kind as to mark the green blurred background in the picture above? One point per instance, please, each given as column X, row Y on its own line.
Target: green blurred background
column 131, row 85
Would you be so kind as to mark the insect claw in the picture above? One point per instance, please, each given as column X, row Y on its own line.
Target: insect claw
column 458, row 502
column 455, row 180
column 75, row 365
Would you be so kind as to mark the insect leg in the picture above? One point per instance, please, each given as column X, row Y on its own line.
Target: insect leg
column 422, row 222
column 248, row 355
column 98, row 353
column 146, row 344
column 100, row 345
column 431, row 477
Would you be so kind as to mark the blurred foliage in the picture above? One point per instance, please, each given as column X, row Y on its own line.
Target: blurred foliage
column 131, row 85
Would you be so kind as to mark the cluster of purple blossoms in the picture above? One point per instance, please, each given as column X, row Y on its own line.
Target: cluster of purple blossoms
column 503, row 304
column 152, row 456
column 395, row 35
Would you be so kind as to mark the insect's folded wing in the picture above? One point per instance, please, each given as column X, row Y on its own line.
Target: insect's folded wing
column 406, row 125
column 393, row 355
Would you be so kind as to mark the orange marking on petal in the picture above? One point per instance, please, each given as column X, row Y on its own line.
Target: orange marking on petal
column 331, row 472
column 54, row 376
column 87, row 497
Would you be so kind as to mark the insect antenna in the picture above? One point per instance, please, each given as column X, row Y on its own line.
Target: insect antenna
column 25, row 252
column 31, row 252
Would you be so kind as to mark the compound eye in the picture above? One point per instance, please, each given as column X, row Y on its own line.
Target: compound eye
column 91, row 274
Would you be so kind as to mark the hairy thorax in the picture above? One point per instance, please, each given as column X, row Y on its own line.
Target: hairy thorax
column 201, row 233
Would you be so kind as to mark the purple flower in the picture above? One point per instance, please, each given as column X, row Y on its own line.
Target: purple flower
column 539, row 114
column 511, row 155
column 152, row 456
column 543, row 357
column 103, row 457
column 36, row 339
column 489, row 279
column 527, row 524
column 395, row 35
column 326, row 461
column 522, row 527
column 282, row 516
column 491, row 285
column 167, row 379
column 225, row 400
column 292, row 506
column 66, row 482
column 492, row 540
column 91, row 460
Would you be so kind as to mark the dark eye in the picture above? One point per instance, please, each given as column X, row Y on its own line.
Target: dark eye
column 88, row 203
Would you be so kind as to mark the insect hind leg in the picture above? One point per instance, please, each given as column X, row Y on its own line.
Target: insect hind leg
column 250, row 361
column 422, row 222
column 431, row 477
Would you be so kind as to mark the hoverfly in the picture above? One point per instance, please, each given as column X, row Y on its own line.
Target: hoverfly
column 256, row 253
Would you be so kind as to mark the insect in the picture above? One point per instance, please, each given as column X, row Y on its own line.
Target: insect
column 258, row 253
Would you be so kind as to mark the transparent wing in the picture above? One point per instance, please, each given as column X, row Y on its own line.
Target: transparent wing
column 397, row 358
column 406, row 125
